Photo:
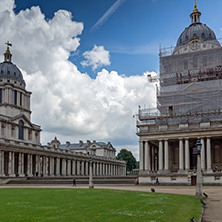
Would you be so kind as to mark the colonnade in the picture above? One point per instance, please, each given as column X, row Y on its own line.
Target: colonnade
column 155, row 158
column 25, row 164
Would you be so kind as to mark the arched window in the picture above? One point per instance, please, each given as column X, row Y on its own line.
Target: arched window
column 21, row 130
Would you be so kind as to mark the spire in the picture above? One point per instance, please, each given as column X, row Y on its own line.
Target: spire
column 195, row 7
column 7, row 54
column 195, row 15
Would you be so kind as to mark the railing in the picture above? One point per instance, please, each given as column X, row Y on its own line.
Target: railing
column 154, row 117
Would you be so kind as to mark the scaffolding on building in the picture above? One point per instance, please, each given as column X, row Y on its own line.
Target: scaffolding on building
column 188, row 83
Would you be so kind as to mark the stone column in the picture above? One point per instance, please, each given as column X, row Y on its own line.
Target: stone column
column 78, row 167
column 160, row 155
column 57, row 166
column 94, row 168
column 44, row 165
column 1, row 166
column 187, row 154
column 100, row 169
column 147, row 153
column 153, row 159
column 63, row 167
column 73, row 167
column 104, row 169
column 87, row 168
column 209, row 168
column 181, row 168
column 83, row 168
column 68, row 167
column 202, row 154
column 29, row 165
column 166, row 157
column 141, row 155
column 9, row 163
column 38, row 164
column 51, row 166
column 22, row 165
column 19, row 164
column 12, row 164
column 97, row 167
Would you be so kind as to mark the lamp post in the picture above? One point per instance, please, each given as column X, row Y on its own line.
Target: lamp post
column 198, row 194
column 90, row 173
column 156, row 163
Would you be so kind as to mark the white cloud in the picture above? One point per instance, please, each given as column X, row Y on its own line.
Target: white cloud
column 96, row 58
column 65, row 102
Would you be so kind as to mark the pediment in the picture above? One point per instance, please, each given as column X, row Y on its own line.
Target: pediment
column 22, row 117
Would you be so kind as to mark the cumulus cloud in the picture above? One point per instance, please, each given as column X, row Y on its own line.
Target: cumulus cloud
column 96, row 58
column 65, row 102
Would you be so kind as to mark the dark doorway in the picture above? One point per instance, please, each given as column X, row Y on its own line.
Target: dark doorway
column 193, row 180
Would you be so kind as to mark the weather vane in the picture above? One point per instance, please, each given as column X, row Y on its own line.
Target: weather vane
column 195, row 2
column 8, row 43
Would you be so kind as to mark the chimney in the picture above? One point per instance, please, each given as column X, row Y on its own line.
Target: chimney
column 67, row 143
column 80, row 143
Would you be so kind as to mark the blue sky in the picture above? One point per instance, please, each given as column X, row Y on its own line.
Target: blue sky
column 86, row 62
column 133, row 32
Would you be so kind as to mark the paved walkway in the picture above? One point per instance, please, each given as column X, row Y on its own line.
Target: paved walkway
column 213, row 209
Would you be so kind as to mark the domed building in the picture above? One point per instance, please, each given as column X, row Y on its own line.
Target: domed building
column 21, row 153
column 189, row 106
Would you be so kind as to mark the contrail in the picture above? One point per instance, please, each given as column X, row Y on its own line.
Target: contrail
column 108, row 13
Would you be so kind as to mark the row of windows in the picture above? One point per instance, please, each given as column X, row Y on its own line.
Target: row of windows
column 15, row 97
column 2, row 73
column 195, row 35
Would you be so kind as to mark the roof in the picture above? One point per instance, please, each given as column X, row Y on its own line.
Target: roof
column 82, row 145
column 196, row 30
column 9, row 70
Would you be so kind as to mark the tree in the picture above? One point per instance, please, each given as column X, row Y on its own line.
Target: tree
column 128, row 157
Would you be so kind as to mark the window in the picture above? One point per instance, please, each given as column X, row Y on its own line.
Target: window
column 20, row 98
column 21, row 130
column 15, row 97
column 0, row 95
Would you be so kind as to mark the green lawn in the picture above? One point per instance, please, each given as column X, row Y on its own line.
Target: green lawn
column 74, row 204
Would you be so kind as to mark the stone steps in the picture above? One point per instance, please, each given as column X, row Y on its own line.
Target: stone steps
column 69, row 180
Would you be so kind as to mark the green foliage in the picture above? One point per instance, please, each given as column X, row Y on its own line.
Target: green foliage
column 73, row 204
column 128, row 157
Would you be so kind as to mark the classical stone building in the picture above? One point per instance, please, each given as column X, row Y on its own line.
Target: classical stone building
column 21, row 153
column 189, row 105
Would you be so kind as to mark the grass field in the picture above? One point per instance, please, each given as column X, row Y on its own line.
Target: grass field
column 73, row 204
